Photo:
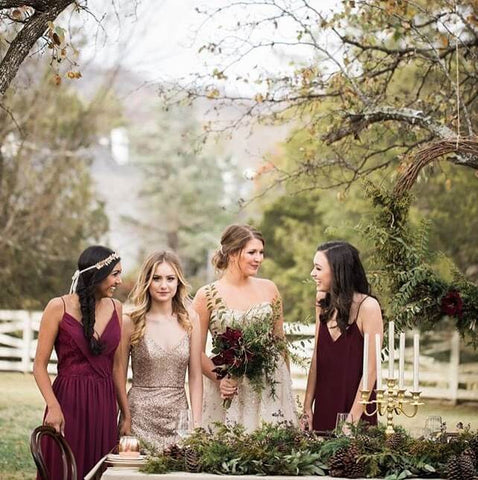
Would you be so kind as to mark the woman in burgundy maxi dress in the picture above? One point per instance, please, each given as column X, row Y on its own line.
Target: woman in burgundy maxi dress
column 345, row 312
column 83, row 395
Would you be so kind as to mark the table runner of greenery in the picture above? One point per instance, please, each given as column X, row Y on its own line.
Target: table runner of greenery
column 286, row 450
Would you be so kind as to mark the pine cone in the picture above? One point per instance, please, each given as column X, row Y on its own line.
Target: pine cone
column 460, row 468
column 453, row 470
column 336, row 463
column 345, row 463
column 174, row 451
column 474, row 445
column 467, row 466
column 191, row 460
column 472, row 454
column 396, row 441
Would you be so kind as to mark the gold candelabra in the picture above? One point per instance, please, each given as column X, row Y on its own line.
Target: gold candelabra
column 393, row 401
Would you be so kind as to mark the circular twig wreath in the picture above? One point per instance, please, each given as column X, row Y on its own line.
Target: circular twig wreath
column 428, row 154
column 419, row 296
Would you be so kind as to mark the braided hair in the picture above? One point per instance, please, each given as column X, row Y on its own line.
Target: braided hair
column 87, row 283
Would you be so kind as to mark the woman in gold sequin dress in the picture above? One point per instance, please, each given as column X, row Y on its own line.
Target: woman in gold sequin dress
column 239, row 296
column 162, row 336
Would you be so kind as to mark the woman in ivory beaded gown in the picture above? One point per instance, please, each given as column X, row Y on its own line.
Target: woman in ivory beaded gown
column 162, row 336
column 237, row 297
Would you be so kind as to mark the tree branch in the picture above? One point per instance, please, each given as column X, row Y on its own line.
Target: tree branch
column 27, row 37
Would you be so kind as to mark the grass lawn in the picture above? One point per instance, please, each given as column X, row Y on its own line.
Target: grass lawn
column 21, row 409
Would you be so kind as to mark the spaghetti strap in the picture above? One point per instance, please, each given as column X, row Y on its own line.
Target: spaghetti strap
column 64, row 305
column 358, row 309
column 114, row 305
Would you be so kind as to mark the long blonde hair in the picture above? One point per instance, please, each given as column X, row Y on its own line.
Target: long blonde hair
column 141, row 298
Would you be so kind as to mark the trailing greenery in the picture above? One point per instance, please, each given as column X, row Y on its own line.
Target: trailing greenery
column 419, row 294
column 283, row 449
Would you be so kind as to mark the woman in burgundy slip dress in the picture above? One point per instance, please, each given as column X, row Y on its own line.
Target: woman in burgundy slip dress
column 84, row 327
column 345, row 310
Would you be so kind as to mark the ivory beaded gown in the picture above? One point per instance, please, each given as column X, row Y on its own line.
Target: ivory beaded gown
column 157, row 394
column 248, row 407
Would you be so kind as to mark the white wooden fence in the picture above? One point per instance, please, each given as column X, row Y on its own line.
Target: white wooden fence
column 450, row 380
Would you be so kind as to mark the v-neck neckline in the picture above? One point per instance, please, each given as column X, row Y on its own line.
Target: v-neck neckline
column 341, row 335
column 81, row 325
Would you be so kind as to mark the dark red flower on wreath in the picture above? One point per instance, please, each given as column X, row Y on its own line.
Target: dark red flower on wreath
column 452, row 304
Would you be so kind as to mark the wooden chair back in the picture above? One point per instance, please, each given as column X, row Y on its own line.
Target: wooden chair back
column 67, row 457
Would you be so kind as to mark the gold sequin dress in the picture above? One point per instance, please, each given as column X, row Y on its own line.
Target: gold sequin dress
column 248, row 407
column 157, row 394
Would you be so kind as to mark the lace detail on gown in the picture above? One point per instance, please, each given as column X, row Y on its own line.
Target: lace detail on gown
column 248, row 408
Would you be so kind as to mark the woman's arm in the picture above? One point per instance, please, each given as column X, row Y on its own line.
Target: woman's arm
column 227, row 386
column 311, row 378
column 46, row 339
column 195, row 370
column 120, row 373
column 370, row 321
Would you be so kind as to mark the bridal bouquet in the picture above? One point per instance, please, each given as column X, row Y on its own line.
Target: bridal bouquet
column 248, row 349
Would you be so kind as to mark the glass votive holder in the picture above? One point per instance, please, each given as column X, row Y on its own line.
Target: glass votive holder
column 128, row 446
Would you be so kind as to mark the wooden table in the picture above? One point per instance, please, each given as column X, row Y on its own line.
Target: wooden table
column 118, row 473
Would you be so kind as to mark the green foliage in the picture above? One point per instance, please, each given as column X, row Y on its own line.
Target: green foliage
column 49, row 211
column 283, row 449
column 417, row 291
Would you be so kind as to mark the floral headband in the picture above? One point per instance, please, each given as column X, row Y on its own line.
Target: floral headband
column 103, row 263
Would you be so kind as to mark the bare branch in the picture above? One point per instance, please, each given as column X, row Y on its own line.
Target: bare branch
column 26, row 38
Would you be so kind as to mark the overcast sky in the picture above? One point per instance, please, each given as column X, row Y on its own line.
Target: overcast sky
column 159, row 39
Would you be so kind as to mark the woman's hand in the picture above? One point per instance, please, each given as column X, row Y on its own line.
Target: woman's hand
column 227, row 387
column 306, row 420
column 54, row 418
column 125, row 426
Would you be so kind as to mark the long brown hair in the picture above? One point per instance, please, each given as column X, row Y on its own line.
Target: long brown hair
column 141, row 298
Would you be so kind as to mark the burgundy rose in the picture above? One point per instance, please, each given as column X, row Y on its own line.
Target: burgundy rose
column 232, row 335
column 452, row 304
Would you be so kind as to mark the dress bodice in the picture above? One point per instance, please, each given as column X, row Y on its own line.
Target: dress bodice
column 156, row 366
column 73, row 351
column 226, row 317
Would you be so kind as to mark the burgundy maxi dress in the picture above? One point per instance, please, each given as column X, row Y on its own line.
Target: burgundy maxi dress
column 84, row 388
column 339, row 372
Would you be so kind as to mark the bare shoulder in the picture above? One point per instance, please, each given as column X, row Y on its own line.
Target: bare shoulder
column 55, row 305
column 118, row 304
column 267, row 285
column 127, row 325
column 54, row 309
column 370, row 305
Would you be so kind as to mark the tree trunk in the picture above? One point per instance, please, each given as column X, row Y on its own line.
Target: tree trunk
column 32, row 31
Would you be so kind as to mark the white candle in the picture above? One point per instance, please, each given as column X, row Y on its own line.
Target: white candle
column 416, row 355
column 401, row 361
column 378, row 359
column 365, row 362
column 391, row 359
